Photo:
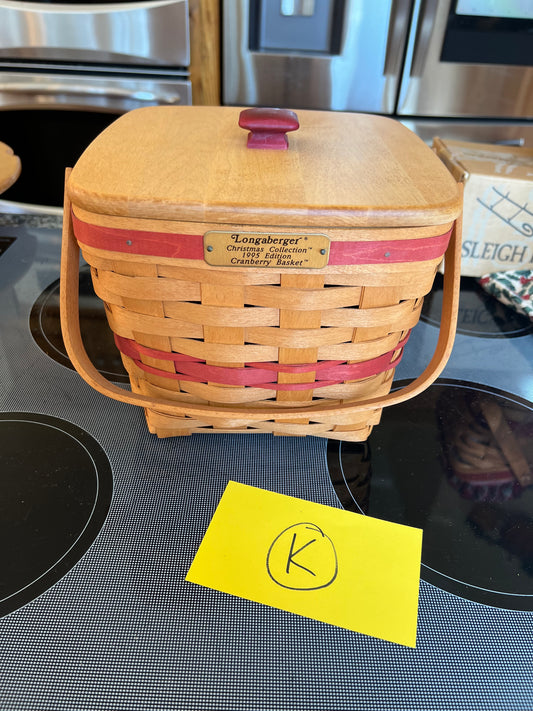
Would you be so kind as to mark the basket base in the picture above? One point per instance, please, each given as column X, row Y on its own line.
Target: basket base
column 163, row 426
column 350, row 427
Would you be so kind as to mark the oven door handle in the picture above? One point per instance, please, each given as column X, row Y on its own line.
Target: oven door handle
column 54, row 89
column 70, row 326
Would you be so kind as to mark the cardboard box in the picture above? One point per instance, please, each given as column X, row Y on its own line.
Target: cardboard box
column 498, row 204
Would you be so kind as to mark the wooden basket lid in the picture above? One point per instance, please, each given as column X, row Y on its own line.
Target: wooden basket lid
column 192, row 163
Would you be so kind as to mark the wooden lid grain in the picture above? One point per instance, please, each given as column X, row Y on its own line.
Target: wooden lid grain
column 192, row 164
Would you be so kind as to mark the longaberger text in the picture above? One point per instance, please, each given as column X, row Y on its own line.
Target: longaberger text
column 260, row 250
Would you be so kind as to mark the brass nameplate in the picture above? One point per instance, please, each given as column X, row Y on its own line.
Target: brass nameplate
column 266, row 249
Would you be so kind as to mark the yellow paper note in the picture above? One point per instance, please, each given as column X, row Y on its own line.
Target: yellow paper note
column 328, row 564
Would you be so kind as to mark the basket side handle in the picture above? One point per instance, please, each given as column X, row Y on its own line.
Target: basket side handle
column 70, row 325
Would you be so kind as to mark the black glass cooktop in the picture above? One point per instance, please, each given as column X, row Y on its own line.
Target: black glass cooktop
column 123, row 628
column 456, row 461
column 54, row 498
column 480, row 314
column 97, row 336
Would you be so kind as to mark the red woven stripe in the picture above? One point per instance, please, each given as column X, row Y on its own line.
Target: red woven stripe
column 261, row 375
column 157, row 244
column 480, row 478
column 134, row 350
column 181, row 246
column 391, row 251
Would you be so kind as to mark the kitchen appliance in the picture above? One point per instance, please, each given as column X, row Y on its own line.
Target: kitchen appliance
column 455, row 68
column 101, row 521
column 67, row 70
column 468, row 58
column 270, row 288
column 153, row 33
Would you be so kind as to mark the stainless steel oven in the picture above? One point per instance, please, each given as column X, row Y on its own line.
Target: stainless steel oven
column 68, row 69
column 462, row 67
column 469, row 58
column 152, row 32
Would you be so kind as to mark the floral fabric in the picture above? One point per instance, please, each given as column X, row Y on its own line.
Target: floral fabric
column 514, row 289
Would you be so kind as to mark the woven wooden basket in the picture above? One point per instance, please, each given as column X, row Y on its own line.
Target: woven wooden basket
column 278, row 307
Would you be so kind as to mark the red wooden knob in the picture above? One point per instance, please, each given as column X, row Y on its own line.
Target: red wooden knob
column 268, row 127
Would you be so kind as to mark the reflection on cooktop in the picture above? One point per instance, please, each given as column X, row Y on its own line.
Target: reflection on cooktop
column 5, row 242
column 480, row 314
column 456, row 461
column 55, row 496
column 97, row 336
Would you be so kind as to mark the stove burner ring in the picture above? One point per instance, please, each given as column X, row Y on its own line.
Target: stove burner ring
column 97, row 336
column 55, row 499
column 480, row 314
column 458, row 485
